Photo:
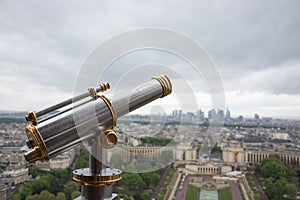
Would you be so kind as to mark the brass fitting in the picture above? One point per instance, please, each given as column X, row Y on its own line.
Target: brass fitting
column 31, row 116
column 93, row 92
column 104, row 87
column 108, row 139
column 38, row 151
column 165, row 84
column 107, row 177
column 111, row 108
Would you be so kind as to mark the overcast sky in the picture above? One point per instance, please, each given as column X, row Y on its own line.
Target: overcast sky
column 255, row 45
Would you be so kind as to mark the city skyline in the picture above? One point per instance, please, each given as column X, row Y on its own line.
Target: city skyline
column 206, row 114
column 253, row 44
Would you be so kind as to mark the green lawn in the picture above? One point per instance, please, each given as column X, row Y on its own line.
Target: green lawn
column 225, row 194
column 192, row 193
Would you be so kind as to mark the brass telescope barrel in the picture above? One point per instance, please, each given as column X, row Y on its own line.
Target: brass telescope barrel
column 63, row 130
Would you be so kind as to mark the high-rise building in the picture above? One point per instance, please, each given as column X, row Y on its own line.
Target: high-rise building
column 177, row 114
column 200, row 114
column 190, row 116
column 174, row 113
column 220, row 115
column 256, row 116
column 227, row 115
column 212, row 114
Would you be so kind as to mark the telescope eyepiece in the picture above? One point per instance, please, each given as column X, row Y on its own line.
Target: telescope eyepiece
column 165, row 84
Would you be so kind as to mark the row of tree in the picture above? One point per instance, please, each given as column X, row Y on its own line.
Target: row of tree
column 55, row 184
column 12, row 120
column 280, row 181
column 139, row 186
column 140, row 163
column 155, row 141
column 42, row 187
column 45, row 194
column 142, row 174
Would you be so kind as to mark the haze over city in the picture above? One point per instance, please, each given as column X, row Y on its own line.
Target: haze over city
column 255, row 46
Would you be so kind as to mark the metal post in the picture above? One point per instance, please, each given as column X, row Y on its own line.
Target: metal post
column 97, row 180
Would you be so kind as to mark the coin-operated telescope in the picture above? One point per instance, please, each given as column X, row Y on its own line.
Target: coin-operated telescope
column 89, row 117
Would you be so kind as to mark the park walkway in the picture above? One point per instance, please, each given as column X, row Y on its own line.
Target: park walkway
column 235, row 191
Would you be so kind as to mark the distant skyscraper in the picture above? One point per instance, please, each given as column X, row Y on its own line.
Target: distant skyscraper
column 256, row 116
column 174, row 113
column 200, row 114
column 190, row 116
column 177, row 114
column 212, row 114
column 220, row 115
column 227, row 115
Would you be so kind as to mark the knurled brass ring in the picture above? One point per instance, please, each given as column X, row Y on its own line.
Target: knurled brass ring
column 165, row 84
column 104, row 87
column 106, row 178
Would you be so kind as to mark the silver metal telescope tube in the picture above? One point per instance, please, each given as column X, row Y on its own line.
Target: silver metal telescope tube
column 63, row 131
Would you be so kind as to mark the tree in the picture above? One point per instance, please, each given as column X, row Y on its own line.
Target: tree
column 83, row 160
column 35, row 171
column 33, row 197
column 268, row 184
column 61, row 196
column 137, row 196
column 279, row 189
column 16, row 197
column 133, row 181
column 151, row 178
column 60, row 174
column 130, row 168
column 44, row 183
column 156, row 141
column 45, row 194
column 272, row 167
column 291, row 191
column 280, row 182
column 145, row 167
column 145, row 195
column 75, row 194
column 71, row 187
column 256, row 169
column 117, row 161
column 216, row 150
column 26, row 191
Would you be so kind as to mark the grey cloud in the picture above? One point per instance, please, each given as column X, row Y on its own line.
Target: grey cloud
column 283, row 79
column 241, row 36
column 44, row 43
